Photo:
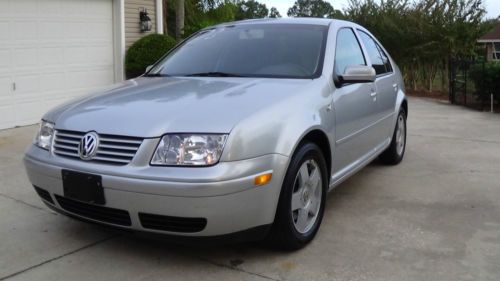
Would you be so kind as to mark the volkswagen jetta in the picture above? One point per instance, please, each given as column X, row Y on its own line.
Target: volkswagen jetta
column 240, row 130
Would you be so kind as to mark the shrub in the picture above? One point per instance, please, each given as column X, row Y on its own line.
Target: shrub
column 486, row 78
column 146, row 51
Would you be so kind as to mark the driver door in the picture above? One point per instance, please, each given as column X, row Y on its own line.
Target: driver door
column 355, row 108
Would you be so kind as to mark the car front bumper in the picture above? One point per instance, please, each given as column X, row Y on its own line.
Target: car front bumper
column 224, row 194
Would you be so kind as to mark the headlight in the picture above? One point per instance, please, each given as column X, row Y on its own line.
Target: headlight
column 45, row 134
column 189, row 150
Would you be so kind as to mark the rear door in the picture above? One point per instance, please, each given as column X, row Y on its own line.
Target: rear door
column 385, row 86
column 355, row 107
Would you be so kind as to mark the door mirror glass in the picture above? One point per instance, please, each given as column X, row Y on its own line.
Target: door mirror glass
column 358, row 74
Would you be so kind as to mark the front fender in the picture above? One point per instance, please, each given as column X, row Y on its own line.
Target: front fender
column 280, row 128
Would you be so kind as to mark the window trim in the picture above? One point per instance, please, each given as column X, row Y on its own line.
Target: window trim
column 380, row 47
column 495, row 55
column 335, row 49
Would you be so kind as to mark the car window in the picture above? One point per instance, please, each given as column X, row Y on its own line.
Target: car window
column 347, row 51
column 385, row 58
column 373, row 52
column 254, row 50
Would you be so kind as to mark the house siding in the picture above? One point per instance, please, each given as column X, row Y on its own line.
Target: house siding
column 132, row 26
column 489, row 52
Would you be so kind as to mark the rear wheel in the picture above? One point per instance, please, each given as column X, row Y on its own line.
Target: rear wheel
column 302, row 199
column 396, row 150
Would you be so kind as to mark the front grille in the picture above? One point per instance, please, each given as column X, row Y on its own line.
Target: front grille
column 98, row 213
column 175, row 224
column 112, row 149
column 44, row 194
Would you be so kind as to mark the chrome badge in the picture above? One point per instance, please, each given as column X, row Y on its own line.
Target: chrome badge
column 88, row 146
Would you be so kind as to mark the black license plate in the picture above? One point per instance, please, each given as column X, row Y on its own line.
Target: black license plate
column 83, row 187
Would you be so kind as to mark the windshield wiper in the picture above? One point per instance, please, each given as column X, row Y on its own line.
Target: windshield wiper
column 215, row 74
column 156, row 75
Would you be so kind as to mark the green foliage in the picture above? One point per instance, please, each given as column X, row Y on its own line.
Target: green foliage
column 486, row 80
column 250, row 10
column 422, row 35
column 146, row 51
column 311, row 8
column 201, row 14
column 274, row 13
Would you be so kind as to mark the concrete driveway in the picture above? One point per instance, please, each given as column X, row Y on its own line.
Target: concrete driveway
column 436, row 216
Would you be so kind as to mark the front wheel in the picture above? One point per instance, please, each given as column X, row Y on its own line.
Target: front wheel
column 302, row 199
column 396, row 150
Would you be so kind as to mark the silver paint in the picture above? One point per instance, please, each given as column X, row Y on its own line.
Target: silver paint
column 265, row 118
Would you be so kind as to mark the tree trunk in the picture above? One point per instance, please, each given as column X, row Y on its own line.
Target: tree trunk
column 165, row 15
column 179, row 19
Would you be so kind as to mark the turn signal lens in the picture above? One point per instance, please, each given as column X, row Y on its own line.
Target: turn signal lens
column 263, row 179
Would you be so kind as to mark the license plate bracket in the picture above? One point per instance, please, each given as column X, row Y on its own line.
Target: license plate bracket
column 83, row 187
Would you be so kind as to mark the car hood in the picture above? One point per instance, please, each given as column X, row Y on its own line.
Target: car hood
column 151, row 107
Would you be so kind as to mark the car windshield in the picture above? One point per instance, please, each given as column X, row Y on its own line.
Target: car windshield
column 272, row 50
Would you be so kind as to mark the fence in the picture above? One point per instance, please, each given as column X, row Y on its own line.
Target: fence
column 463, row 89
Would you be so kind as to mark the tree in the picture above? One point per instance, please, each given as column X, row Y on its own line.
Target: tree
column 165, row 16
column 179, row 18
column 311, row 8
column 250, row 10
column 422, row 35
column 274, row 13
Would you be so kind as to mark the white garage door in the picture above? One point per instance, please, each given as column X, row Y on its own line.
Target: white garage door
column 52, row 51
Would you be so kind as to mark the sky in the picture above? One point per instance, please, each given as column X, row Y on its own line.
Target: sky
column 492, row 6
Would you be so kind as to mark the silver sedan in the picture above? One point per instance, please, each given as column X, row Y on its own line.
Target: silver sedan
column 238, row 132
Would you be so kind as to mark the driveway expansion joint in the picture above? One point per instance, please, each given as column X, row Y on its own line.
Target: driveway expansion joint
column 25, row 203
column 59, row 257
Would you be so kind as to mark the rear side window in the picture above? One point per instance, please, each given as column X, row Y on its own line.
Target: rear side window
column 385, row 58
column 347, row 51
column 379, row 59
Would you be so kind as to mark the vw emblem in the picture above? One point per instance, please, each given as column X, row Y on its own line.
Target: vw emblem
column 88, row 145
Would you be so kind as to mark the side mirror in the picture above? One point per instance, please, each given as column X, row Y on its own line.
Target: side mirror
column 148, row 68
column 357, row 74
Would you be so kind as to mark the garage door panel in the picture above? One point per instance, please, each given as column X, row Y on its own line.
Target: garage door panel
column 25, row 57
column 74, row 7
column 29, row 112
column 4, row 32
column 74, row 55
column 7, row 116
column 5, row 60
column 5, row 88
column 23, row 7
column 51, row 56
column 100, row 55
column 52, row 81
column 50, row 8
column 75, row 30
column 50, row 30
column 28, row 83
column 25, row 30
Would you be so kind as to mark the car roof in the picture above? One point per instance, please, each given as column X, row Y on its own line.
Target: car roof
column 311, row 21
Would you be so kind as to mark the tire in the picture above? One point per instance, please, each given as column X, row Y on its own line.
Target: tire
column 396, row 150
column 292, row 229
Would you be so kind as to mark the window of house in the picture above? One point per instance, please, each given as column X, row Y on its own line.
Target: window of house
column 496, row 51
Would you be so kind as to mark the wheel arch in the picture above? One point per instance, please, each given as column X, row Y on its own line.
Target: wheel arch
column 320, row 138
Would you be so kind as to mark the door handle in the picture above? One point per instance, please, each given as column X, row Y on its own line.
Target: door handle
column 373, row 94
column 395, row 86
